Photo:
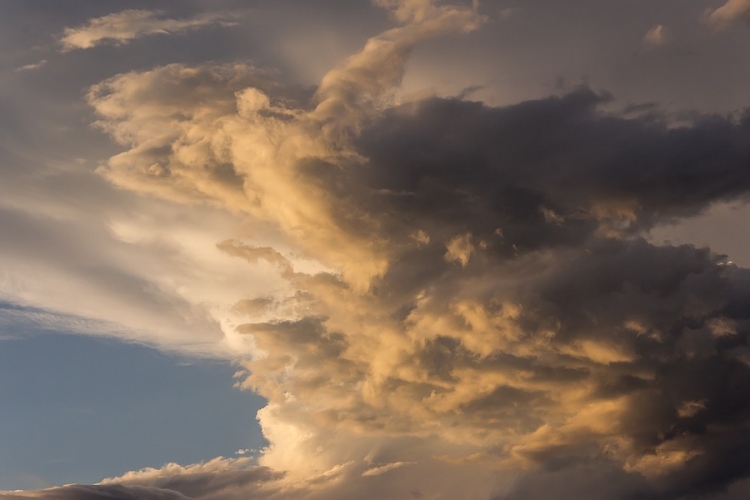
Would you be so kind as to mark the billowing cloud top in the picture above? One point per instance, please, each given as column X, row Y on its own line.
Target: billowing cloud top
column 469, row 299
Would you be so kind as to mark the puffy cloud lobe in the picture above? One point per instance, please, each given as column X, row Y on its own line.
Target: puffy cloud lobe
column 347, row 96
column 604, row 354
column 248, row 162
column 267, row 160
column 127, row 25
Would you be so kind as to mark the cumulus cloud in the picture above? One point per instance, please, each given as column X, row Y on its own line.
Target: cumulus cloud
column 122, row 27
column 483, row 306
column 566, row 338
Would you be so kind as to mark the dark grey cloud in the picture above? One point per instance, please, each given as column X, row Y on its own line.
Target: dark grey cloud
column 552, row 171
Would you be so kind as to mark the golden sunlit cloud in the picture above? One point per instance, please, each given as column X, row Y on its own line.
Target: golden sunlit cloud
column 456, row 295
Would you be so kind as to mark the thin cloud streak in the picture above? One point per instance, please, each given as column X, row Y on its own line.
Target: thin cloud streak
column 33, row 66
column 122, row 27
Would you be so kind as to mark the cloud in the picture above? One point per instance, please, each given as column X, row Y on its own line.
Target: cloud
column 382, row 469
column 33, row 66
column 559, row 337
column 567, row 338
column 731, row 11
column 237, row 479
column 122, row 27
column 278, row 131
column 656, row 36
column 467, row 288
column 218, row 478
column 80, row 492
column 585, row 480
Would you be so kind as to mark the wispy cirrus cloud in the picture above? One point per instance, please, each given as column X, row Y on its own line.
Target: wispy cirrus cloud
column 122, row 27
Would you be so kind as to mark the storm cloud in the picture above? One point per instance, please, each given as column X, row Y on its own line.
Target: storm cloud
column 470, row 305
column 517, row 310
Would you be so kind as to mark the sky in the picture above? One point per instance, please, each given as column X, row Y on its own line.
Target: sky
column 405, row 249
